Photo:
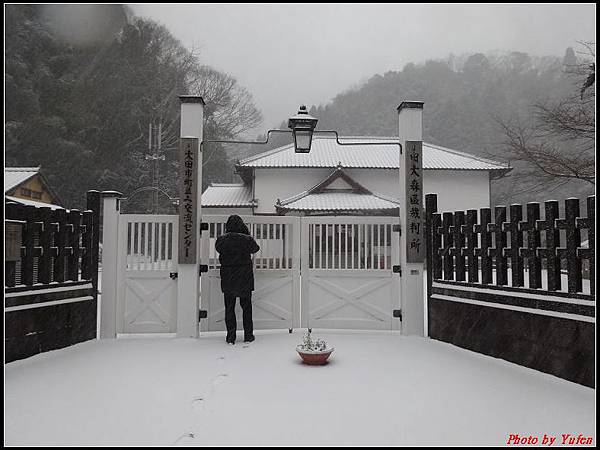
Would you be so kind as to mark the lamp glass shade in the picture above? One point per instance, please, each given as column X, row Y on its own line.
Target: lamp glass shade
column 302, row 140
column 302, row 126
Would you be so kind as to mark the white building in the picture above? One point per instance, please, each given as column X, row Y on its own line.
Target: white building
column 348, row 180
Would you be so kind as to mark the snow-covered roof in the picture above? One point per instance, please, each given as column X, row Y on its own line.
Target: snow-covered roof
column 326, row 152
column 338, row 201
column 227, row 195
column 337, row 192
column 14, row 176
column 27, row 202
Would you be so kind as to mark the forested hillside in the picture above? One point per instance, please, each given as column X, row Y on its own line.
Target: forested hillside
column 467, row 101
column 83, row 84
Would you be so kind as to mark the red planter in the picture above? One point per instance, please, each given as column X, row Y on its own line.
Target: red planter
column 314, row 358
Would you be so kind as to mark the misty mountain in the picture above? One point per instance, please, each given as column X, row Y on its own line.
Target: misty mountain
column 465, row 97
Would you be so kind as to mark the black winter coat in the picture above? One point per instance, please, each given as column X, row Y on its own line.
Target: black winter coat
column 237, row 275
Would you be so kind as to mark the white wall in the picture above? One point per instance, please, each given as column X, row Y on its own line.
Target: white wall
column 209, row 210
column 273, row 184
column 382, row 181
column 456, row 189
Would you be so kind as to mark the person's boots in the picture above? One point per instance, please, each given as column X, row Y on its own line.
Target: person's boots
column 249, row 338
column 230, row 339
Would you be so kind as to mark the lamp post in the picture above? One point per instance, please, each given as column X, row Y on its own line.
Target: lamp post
column 302, row 126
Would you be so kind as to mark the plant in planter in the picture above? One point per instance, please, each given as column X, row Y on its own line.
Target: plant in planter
column 313, row 352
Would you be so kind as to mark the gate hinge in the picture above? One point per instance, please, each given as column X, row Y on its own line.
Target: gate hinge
column 203, row 226
column 396, row 228
column 173, row 275
column 202, row 268
column 202, row 314
column 397, row 269
column 398, row 314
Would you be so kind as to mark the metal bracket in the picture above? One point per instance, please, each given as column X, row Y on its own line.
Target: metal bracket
column 202, row 268
column 398, row 314
column 203, row 226
column 202, row 314
column 173, row 275
column 397, row 269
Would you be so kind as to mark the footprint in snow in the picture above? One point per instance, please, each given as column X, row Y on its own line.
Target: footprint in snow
column 219, row 379
column 185, row 438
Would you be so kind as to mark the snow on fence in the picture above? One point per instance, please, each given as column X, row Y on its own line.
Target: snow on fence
column 497, row 285
column 51, row 277
column 149, row 242
column 331, row 246
column 274, row 239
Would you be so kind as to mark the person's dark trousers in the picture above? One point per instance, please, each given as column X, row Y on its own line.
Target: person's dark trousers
column 230, row 320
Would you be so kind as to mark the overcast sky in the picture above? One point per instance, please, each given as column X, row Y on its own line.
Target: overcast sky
column 287, row 55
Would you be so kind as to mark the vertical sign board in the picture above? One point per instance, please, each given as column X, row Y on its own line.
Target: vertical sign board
column 188, row 200
column 413, row 175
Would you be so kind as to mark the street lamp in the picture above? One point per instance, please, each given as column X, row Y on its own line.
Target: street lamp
column 302, row 126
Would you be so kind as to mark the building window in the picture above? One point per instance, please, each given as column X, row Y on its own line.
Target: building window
column 26, row 192
column 36, row 194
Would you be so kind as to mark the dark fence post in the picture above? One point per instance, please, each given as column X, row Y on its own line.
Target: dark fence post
column 533, row 243
column 516, row 242
column 430, row 210
column 436, row 228
column 93, row 203
column 29, row 245
column 60, row 243
column 552, row 243
column 588, row 253
column 499, row 245
column 74, row 234
column 458, row 244
column 44, row 215
column 471, row 244
column 87, row 239
column 13, row 211
column 573, row 237
column 447, row 221
column 485, row 215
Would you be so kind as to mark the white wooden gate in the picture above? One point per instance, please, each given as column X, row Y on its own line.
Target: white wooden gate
column 276, row 297
column 314, row 272
column 146, row 291
column 347, row 273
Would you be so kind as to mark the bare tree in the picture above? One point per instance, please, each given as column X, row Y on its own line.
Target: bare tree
column 558, row 142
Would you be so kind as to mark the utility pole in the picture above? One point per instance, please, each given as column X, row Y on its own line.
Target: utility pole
column 154, row 145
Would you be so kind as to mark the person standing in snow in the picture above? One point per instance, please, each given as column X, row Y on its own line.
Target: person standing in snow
column 235, row 249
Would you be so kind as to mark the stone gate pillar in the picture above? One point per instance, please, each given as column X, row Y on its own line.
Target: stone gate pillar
column 188, row 278
column 412, row 217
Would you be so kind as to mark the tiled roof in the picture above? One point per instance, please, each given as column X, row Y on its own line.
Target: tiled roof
column 339, row 201
column 227, row 195
column 14, row 176
column 24, row 201
column 326, row 152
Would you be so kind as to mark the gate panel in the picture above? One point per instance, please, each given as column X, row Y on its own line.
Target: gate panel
column 276, row 297
column 147, row 295
column 347, row 278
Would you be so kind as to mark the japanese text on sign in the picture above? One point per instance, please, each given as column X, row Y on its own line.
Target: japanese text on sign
column 413, row 174
column 188, row 189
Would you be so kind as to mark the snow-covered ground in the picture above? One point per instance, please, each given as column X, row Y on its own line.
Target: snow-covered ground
column 379, row 389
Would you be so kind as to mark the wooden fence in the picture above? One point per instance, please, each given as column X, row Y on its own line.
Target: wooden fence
column 519, row 287
column 51, row 277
